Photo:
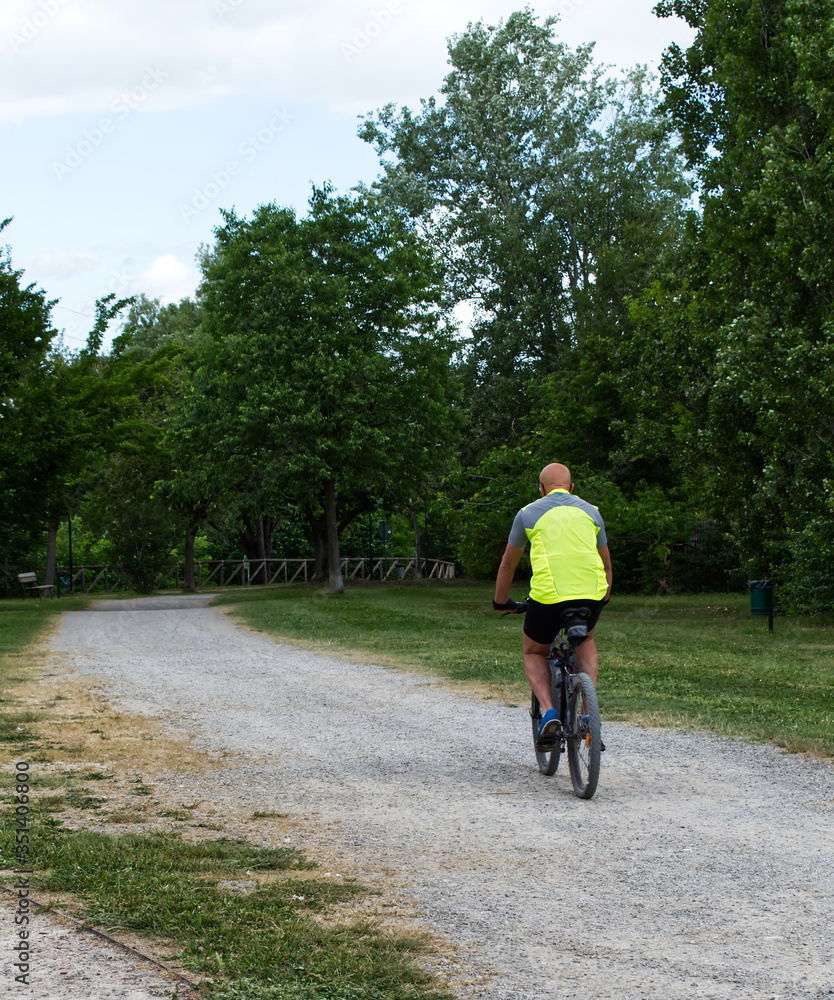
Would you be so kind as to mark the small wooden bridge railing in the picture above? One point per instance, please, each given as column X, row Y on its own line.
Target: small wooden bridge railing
column 242, row 572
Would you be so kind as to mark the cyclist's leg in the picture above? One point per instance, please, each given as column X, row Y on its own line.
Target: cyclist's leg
column 537, row 671
column 588, row 657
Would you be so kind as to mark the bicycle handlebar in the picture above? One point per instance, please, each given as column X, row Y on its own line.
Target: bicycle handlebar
column 511, row 608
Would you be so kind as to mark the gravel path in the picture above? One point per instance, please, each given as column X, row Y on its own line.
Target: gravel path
column 68, row 965
column 702, row 868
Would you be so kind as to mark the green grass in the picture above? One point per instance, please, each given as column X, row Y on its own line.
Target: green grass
column 694, row 662
column 234, row 912
column 21, row 622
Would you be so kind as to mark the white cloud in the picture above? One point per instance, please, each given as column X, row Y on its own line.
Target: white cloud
column 63, row 263
column 168, row 279
column 90, row 52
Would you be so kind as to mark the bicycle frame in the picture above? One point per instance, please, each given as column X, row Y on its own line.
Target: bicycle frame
column 575, row 696
column 562, row 662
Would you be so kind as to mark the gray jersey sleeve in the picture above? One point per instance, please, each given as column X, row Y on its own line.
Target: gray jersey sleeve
column 518, row 536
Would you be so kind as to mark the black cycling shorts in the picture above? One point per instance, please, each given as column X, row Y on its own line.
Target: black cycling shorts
column 541, row 623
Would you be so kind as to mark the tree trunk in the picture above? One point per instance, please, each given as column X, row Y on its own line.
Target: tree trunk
column 271, row 525
column 336, row 585
column 261, row 570
column 418, row 561
column 255, row 541
column 51, row 547
column 188, row 583
column 247, row 540
column 317, row 534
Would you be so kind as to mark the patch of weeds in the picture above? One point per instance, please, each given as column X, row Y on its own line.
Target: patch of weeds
column 96, row 776
column 177, row 814
column 261, row 945
column 269, row 815
column 53, row 803
column 207, row 826
column 141, row 788
column 78, row 799
column 125, row 817
column 40, row 781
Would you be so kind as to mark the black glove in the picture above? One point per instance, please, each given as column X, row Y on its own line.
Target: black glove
column 509, row 606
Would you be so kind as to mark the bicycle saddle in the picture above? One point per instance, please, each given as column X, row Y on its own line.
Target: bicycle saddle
column 575, row 624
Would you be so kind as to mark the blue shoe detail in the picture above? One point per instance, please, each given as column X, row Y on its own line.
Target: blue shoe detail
column 549, row 731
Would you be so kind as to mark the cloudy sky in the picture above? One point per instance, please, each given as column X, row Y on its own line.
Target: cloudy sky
column 125, row 125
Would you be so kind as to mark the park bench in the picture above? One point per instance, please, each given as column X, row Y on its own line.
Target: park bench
column 29, row 582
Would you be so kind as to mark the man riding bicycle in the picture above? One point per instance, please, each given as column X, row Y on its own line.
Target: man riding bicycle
column 571, row 568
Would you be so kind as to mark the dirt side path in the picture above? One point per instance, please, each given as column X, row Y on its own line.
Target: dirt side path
column 702, row 868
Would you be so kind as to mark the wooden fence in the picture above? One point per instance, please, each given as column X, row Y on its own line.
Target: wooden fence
column 241, row 572
column 88, row 578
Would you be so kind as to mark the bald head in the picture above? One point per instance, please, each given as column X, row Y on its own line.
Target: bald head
column 555, row 477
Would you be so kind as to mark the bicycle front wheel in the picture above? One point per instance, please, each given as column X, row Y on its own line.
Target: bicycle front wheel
column 584, row 739
column 548, row 760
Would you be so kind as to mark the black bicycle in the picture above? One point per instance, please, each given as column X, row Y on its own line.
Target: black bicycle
column 575, row 696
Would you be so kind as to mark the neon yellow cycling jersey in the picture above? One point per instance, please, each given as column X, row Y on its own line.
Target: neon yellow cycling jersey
column 565, row 535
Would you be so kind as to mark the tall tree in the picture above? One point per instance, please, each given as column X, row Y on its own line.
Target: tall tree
column 327, row 372
column 748, row 317
column 29, row 461
column 548, row 190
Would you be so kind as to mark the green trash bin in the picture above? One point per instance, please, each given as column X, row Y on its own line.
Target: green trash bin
column 761, row 600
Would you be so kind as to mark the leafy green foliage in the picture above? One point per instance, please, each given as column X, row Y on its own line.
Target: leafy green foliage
column 140, row 529
column 325, row 377
column 811, row 582
column 150, row 326
column 659, row 543
column 550, row 193
column 729, row 366
column 489, row 495
column 29, row 457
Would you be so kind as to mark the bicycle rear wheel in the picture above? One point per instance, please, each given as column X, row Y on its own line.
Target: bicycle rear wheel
column 584, row 739
column 548, row 760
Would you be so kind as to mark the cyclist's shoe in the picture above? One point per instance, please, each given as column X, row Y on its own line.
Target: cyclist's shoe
column 585, row 722
column 549, row 731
